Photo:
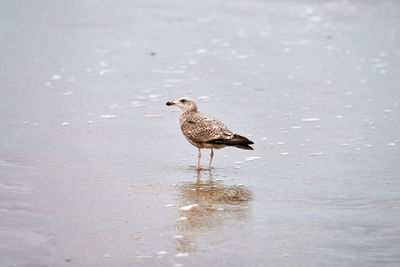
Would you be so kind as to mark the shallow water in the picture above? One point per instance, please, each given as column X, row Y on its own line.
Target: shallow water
column 94, row 168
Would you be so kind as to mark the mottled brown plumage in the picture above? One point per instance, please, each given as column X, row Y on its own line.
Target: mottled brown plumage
column 200, row 129
column 204, row 131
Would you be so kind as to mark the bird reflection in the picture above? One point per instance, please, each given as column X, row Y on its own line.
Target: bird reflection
column 207, row 205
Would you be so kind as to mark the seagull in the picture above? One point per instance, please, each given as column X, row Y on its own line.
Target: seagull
column 204, row 131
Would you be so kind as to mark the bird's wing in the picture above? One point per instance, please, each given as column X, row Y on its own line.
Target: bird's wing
column 201, row 128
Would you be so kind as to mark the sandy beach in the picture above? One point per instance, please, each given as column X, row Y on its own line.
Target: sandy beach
column 94, row 169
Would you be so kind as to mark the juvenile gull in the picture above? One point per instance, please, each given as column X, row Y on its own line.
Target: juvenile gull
column 204, row 131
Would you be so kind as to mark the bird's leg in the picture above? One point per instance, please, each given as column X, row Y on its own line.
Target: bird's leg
column 211, row 157
column 198, row 161
column 198, row 176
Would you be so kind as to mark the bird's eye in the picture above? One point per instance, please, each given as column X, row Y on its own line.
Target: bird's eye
column 182, row 100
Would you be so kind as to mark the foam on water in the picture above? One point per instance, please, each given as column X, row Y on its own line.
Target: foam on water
column 316, row 154
column 56, row 77
column 310, row 119
column 108, row 116
column 252, row 158
column 179, row 255
column 189, row 207
column 105, row 71
column 201, row 51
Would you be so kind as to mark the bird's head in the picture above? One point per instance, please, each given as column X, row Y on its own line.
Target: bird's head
column 184, row 103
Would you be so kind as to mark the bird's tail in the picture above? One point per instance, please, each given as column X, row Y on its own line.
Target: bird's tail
column 236, row 141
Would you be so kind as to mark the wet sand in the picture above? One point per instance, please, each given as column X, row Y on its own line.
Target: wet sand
column 94, row 170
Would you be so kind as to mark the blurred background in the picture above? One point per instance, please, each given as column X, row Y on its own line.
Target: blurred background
column 94, row 169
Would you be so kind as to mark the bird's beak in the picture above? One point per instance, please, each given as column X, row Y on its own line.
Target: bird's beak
column 169, row 103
